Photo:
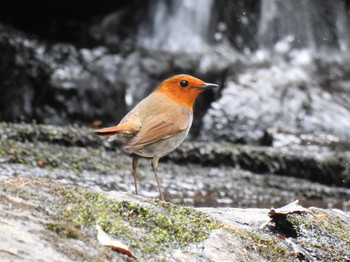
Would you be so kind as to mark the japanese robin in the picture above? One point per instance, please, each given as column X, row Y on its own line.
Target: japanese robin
column 159, row 123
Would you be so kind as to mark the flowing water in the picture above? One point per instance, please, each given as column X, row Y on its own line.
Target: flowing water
column 177, row 26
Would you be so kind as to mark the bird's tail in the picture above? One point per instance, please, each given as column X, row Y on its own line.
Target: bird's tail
column 109, row 131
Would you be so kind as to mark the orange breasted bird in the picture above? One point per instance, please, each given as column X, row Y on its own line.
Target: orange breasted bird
column 159, row 123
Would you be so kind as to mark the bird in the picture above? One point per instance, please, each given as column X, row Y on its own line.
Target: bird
column 159, row 123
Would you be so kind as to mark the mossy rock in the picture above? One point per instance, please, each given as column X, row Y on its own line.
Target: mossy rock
column 149, row 227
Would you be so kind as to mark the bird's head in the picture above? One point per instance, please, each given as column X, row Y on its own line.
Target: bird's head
column 183, row 88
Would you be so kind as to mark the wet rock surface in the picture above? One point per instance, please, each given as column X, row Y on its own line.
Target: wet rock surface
column 58, row 182
column 197, row 174
column 315, row 163
column 41, row 213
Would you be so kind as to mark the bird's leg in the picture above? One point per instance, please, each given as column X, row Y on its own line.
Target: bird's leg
column 154, row 164
column 135, row 161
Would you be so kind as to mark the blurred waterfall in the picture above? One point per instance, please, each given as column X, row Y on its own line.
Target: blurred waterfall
column 181, row 25
column 186, row 25
column 306, row 23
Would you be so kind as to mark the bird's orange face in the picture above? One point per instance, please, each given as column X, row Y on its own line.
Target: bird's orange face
column 183, row 89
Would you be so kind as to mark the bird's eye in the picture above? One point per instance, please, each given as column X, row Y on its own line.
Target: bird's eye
column 183, row 83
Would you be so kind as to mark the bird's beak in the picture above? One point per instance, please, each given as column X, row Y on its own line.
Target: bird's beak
column 207, row 86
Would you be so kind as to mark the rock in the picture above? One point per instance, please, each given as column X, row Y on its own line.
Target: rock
column 316, row 163
column 21, row 241
column 290, row 234
column 61, row 218
column 224, row 246
column 292, row 95
column 68, row 216
column 57, row 183
column 58, row 83
column 196, row 174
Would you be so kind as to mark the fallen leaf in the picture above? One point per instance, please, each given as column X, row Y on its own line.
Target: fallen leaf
column 291, row 208
column 282, row 237
column 113, row 243
column 279, row 214
column 294, row 254
column 41, row 163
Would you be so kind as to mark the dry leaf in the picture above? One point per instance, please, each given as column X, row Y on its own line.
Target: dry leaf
column 114, row 244
column 291, row 208
column 282, row 212
column 41, row 163
column 294, row 254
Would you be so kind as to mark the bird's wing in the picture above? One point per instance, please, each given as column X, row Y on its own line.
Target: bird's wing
column 160, row 127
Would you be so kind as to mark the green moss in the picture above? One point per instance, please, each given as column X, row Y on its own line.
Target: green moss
column 267, row 245
column 52, row 156
column 324, row 234
column 148, row 228
column 264, row 159
column 329, row 160
column 67, row 230
column 169, row 226
column 2, row 152
column 33, row 144
column 227, row 144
